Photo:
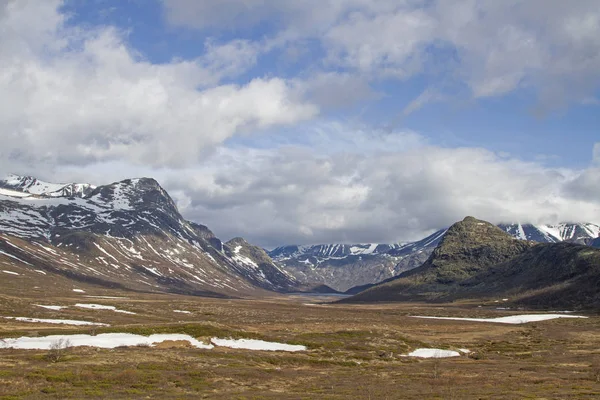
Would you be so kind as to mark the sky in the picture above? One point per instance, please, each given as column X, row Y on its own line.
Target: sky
column 329, row 121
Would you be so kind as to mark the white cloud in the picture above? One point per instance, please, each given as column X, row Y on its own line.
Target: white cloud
column 71, row 95
column 493, row 47
column 596, row 153
column 382, row 192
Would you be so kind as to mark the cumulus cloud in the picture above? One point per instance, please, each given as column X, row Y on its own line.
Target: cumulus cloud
column 71, row 95
column 399, row 190
column 492, row 47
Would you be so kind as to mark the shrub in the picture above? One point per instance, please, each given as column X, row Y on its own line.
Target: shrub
column 57, row 350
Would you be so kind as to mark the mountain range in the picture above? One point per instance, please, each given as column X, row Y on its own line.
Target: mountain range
column 350, row 268
column 130, row 234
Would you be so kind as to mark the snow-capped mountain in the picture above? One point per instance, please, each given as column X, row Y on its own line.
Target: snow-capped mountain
column 128, row 233
column 582, row 233
column 32, row 186
column 342, row 266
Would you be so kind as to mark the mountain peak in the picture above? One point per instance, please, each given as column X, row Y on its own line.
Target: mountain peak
column 34, row 186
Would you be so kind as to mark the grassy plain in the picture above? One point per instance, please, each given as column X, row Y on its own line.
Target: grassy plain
column 354, row 351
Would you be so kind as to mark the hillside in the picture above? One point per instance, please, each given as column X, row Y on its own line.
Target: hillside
column 560, row 275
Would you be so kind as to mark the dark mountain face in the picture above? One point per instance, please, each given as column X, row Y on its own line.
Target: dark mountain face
column 564, row 275
column 595, row 243
column 129, row 233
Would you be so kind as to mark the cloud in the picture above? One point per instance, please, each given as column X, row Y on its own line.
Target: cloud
column 596, row 153
column 492, row 47
column 398, row 188
column 74, row 95
column 331, row 90
column 429, row 95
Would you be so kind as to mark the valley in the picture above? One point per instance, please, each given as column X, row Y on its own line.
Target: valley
column 108, row 292
column 357, row 351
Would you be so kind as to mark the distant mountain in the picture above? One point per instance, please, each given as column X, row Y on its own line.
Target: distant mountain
column 581, row 233
column 128, row 234
column 595, row 243
column 477, row 259
column 342, row 267
column 31, row 185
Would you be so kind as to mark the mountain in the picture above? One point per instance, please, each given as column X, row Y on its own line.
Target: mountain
column 581, row 233
column 467, row 248
column 126, row 234
column 476, row 259
column 595, row 242
column 342, row 266
column 31, row 185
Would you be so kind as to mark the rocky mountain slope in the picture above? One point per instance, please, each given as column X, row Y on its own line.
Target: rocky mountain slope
column 128, row 234
column 342, row 267
column 354, row 268
column 581, row 233
column 477, row 259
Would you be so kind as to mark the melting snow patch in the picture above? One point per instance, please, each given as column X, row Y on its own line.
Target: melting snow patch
column 252, row 344
column 513, row 319
column 55, row 308
column 56, row 321
column 105, row 341
column 10, row 273
column 79, row 291
column 102, row 307
column 182, row 312
column 433, row 353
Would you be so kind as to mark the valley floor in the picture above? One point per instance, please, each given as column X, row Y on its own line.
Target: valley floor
column 354, row 351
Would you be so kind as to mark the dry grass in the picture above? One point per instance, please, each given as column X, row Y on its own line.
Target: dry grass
column 354, row 352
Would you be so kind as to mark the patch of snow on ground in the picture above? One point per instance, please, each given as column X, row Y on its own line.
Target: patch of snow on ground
column 513, row 319
column 105, row 341
column 10, row 273
column 182, row 312
column 55, row 308
column 433, row 353
column 252, row 344
column 56, row 321
column 79, row 291
column 102, row 307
